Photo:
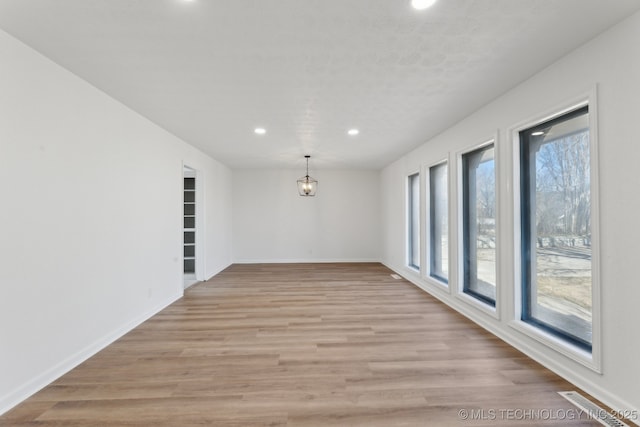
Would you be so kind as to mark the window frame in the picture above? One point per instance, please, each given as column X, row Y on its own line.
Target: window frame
column 492, row 310
column 410, row 235
column 590, row 359
column 526, row 233
column 430, row 224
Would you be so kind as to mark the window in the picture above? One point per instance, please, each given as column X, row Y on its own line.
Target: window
column 555, row 206
column 438, row 223
column 413, row 209
column 479, row 224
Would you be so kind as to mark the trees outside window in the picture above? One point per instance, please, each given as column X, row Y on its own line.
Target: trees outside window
column 555, row 207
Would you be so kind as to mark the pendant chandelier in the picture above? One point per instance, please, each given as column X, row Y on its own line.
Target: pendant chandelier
column 307, row 186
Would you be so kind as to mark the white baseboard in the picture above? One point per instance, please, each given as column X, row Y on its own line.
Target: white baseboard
column 304, row 260
column 47, row 377
column 510, row 336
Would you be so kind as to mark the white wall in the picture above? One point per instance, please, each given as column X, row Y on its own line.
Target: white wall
column 90, row 219
column 612, row 62
column 272, row 223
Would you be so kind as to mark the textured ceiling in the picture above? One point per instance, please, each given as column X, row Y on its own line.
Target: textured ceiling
column 210, row 71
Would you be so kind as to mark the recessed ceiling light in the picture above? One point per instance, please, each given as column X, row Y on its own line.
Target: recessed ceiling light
column 422, row 4
column 353, row 132
column 260, row 131
column 537, row 133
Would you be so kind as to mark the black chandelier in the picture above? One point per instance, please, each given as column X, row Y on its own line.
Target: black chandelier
column 307, row 186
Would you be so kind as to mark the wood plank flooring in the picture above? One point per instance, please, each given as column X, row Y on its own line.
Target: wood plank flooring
column 303, row 345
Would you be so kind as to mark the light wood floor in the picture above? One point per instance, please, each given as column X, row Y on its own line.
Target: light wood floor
column 303, row 345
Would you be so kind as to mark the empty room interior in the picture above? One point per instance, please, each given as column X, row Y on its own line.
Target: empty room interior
column 319, row 212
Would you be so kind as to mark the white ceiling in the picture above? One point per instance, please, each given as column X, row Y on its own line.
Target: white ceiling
column 210, row 71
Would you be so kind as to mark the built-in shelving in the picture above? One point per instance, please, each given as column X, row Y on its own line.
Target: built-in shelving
column 189, row 225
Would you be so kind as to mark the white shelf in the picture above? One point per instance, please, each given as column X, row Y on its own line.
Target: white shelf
column 189, row 218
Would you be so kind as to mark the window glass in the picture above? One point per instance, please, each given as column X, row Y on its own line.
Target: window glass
column 556, row 226
column 439, row 223
column 414, row 221
column 479, row 224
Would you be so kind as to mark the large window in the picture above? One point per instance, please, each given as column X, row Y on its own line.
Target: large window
column 413, row 219
column 479, row 224
column 556, row 227
column 438, row 223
